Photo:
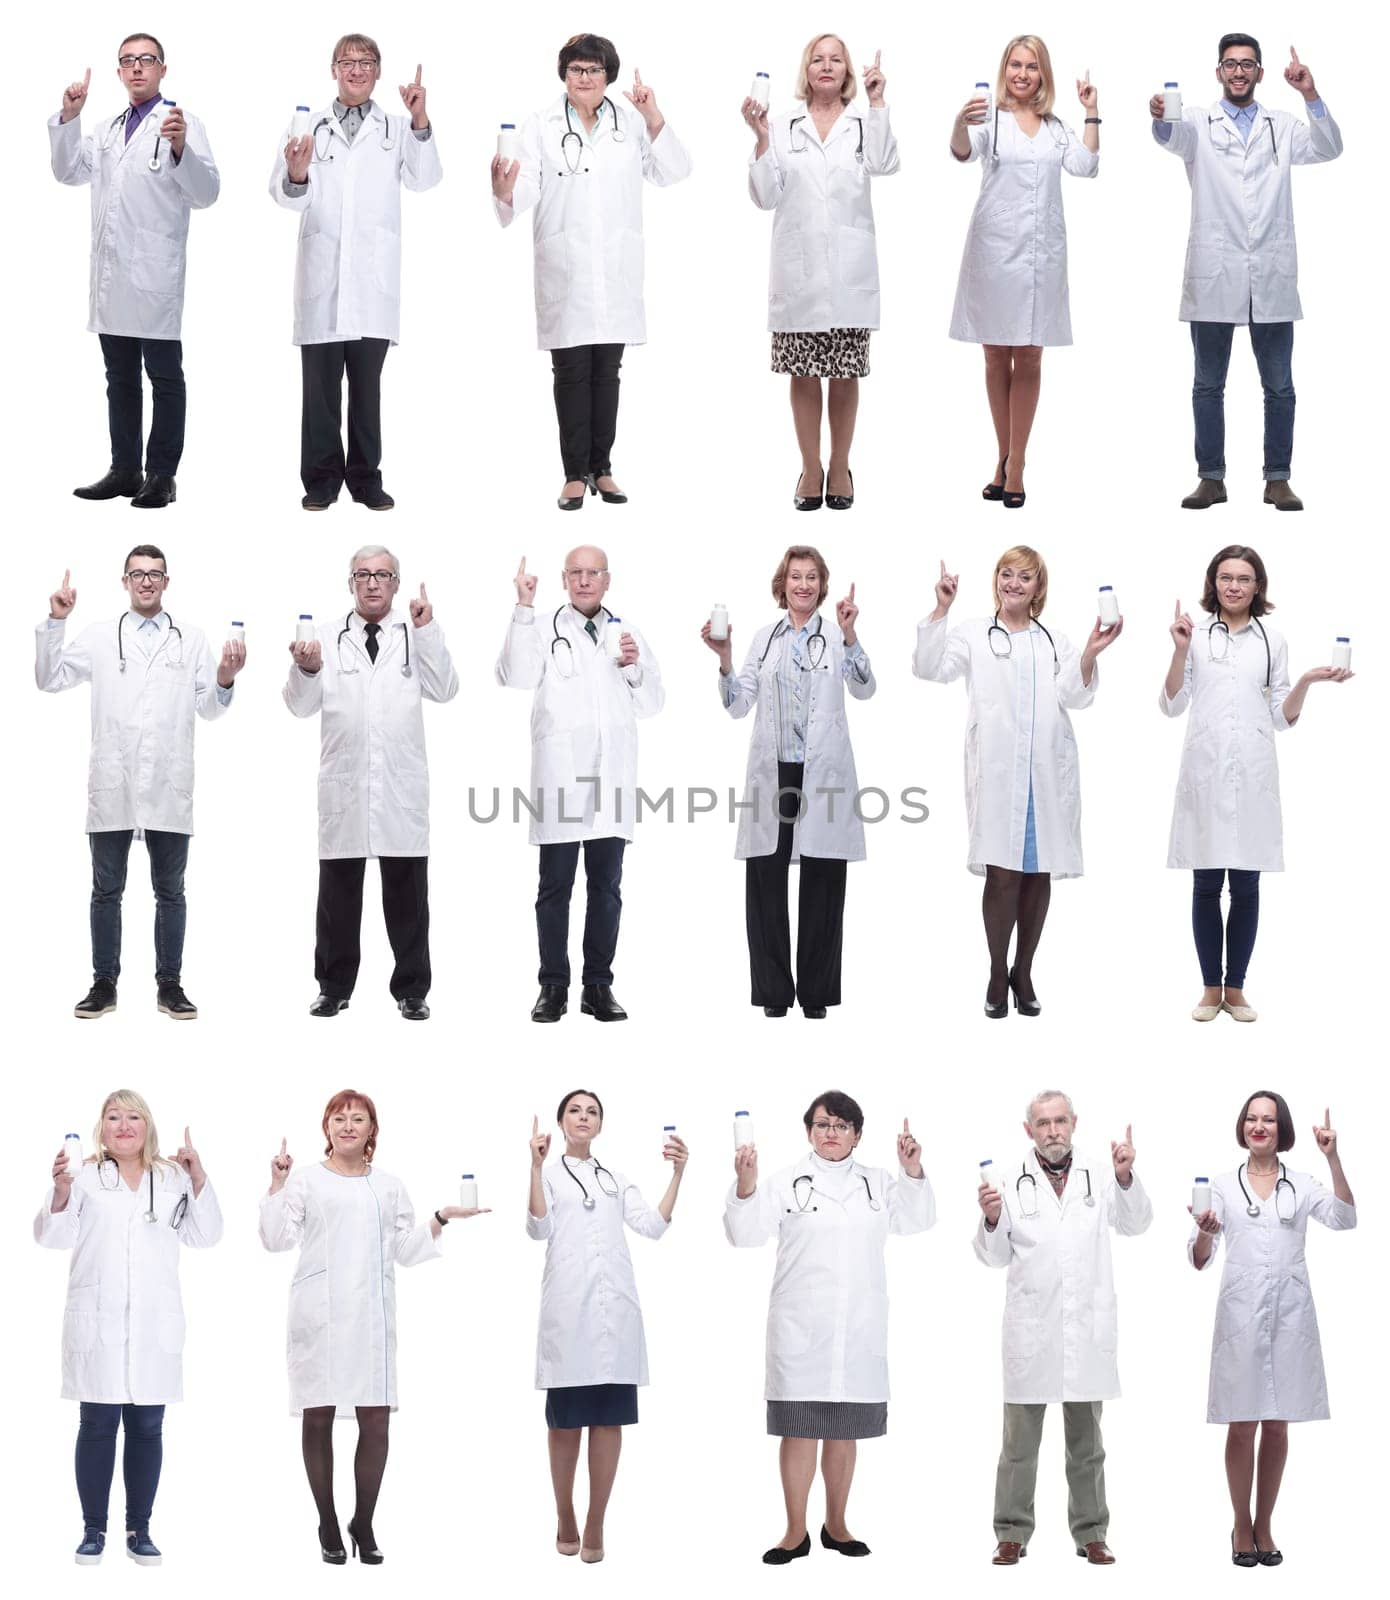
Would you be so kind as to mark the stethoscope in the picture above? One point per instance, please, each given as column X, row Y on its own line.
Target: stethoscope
column 572, row 157
column 1008, row 638
column 569, row 670
column 1220, row 622
column 803, row 1203
column 1052, row 123
column 1232, row 143
column 406, row 670
column 388, row 141
column 169, row 660
column 816, row 645
column 1284, row 1181
column 801, row 149
column 600, row 1173
column 1025, row 1176
column 154, row 163
column 180, row 1210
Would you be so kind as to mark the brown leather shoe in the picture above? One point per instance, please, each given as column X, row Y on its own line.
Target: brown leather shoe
column 1280, row 495
column 1098, row 1553
column 1209, row 492
column 1008, row 1553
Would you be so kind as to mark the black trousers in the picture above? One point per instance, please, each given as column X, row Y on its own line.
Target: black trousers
column 603, row 875
column 125, row 402
column 405, row 901
column 820, row 917
column 322, row 464
column 586, row 404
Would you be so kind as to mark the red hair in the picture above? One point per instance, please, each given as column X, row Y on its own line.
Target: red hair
column 340, row 1102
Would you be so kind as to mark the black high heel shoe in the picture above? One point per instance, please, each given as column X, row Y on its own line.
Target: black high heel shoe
column 612, row 497
column 994, row 491
column 996, row 1011
column 809, row 502
column 575, row 502
column 335, row 1556
column 1012, row 498
column 368, row 1557
column 1025, row 1008
column 841, row 502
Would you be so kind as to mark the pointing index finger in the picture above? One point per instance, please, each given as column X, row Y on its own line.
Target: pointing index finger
column 187, row 1136
column 1293, row 55
column 87, row 77
column 417, row 74
column 535, row 1126
column 284, row 1147
column 878, row 54
column 851, row 594
column 1326, row 1117
column 1129, row 1133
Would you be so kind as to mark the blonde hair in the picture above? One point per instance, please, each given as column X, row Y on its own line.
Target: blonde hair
column 128, row 1100
column 848, row 89
column 1022, row 555
column 1043, row 100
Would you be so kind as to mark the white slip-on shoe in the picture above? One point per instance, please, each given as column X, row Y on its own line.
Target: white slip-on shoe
column 1239, row 1013
column 1205, row 1013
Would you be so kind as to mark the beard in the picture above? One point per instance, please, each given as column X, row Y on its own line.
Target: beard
column 1245, row 96
column 1055, row 1150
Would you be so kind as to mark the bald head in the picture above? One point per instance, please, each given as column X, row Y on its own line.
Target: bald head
column 586, row 578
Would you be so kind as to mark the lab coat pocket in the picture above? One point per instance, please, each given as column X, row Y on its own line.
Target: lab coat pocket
column 316, row 267
column 972, row 761
column 1105, row 1317
column 106, row 769
column 1262, row 761
column 80, row 1319
column 995, row 235
column 171, row 1323
column 552, row 270
column 1282, row 270
column 335, row 791
column 386, row 262
column 156, row 263
column 181, row 776
column 1205, row 245
column 308, row 1331
column 409, row 784
column 858, row 260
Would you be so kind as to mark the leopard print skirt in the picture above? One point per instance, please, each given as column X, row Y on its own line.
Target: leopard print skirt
column 841, row 353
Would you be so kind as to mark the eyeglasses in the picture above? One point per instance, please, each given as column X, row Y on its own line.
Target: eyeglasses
column 380, row 577
column 593, row 574
column 1231, row 581
column 135, row 575
column 1239, row 66
column 139, row 61
column 356, row 64
column 837, row 1128
column 586, row 72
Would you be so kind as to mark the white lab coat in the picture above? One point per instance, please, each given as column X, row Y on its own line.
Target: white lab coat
column 139, row 217
column 351, row 1232
column 140, row 773
column 591, row 1321
column 1013, row 274
column 824, row 253
column 1060, row 1314
column 588, row 223
column 1226, row 809
column 831, row 828
column 1242, row 257
column 347, row 269
column 123, row 1327
column 1266, row 1357
column 827, row 1320
column 1017, row 733
column 582, row 726
column 374, row 781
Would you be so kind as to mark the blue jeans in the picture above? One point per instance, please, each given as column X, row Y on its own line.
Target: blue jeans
column 1241, row 924
column 168, row 858
column 1211, row 352
column 96, row 1461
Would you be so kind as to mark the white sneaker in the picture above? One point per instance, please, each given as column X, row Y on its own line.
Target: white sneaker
column 1239, row 1013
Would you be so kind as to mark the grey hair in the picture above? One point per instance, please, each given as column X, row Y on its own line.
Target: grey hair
column 1049, row 1094
column 368, row 551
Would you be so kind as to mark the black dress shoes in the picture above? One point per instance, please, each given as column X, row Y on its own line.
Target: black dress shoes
column 328, row 1005
column 551, row 1003
column 319, row 499
column 841, row 502
column 100, row 999
column 813, row 1013
column 414, row 1009
column 597, row 1000
column 845, row 1547
column 375, row 499
column 156, row 492
column 774, row 1011
column 779, row 1557
column 115, row 485
column 173, row 1002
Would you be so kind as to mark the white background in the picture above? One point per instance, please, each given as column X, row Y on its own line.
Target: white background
column 705, row 450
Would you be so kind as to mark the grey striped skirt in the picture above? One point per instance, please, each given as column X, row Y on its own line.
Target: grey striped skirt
column 827, row 1419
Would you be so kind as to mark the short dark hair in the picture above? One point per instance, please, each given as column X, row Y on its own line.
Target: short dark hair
column 151, row 552
column 560, row 1109
column 130, row 38
column 1283, row 1115
column 1228, row 39
column 590, row 47
column 1259, row 601
column 838, row 1105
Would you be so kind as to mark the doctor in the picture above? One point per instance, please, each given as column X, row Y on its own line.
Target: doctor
column 1242, row 259
column 124, row 1214
column 827, row 1321
column 1022, row 781
column 1266, row 1356
column 148, row 168
column 582, row 164
column 344, row 179
column 592, row 676
column 352, row 1223
column 800, row 797
column 368, row 677
column 149, row 677
column 1049, row 1223
column 591, row 1354
column 1227, row 821
column 812, row 169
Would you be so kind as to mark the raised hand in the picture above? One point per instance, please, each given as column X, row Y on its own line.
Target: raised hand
column 754, row 113
column 504, row 176
column 298, row 154
column 846, row 614
column 1180, row 628
column 874, row 81
column 946, row 586
column 1122, row 1154
column 973, row 112
column 1086, row 92
column 307, row 654
column 540, row 1145
column 644, row 99
column 723, row 648
column 63, row 598
column 909, row 1152
column 75, row 96
column 233, row 660
column 413, row 94
column 280, row 1168
column 1297, row 76
column 525, row 585
column 186, row 1156
column 1156, row 107
column 628, row 651
column 675, row 1151
column 746, row 1169
column 1326, row 1135
column 991, row 1202
column 1206, row 1221
column 62, row 1177
column 1102, row 637
column 175, row 130
column 421, row 611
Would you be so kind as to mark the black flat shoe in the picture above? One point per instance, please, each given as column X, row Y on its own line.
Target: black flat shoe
column 778, row 1557
column 414, row 1009
column 113, row 485
column 318, row 500
column 1243, row 1558
column 612, row 497
column 841, row 502
column 173, row 1002
column 774, row 1011
column 551, row 1003
column 330, row 1548
column 327, row 1005
column 100, row 999
column 1269, row 1558
column 994, row 491
column 1025, row 1008
column 813, row 1013
column 155, row 493
column 845, row 1547
column 368, row 1555
column 598, row 1001
column 375, row 499
column 809, row 502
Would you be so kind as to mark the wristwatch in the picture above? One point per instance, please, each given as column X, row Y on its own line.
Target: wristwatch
column 442, row 1221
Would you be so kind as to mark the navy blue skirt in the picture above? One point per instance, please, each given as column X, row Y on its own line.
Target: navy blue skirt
column 592, row 1405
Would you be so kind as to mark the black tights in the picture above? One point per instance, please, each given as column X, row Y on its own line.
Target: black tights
column 1013, row 899
column 368, row 1466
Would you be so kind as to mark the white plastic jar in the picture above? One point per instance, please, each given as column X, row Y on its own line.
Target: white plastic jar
column 719, row 622
column 468, row 1192
column 1172, row 103
column 743, row 1129
column 304, row 633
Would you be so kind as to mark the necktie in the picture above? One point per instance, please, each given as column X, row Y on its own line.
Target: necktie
column 373, row 628
column 591, row 630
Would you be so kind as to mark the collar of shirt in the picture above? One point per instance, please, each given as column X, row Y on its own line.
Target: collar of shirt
column 579, row 622
column 603, row 122
column 156, row 624
column 357, row 624
column 1243, row 116
column 137, row 114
